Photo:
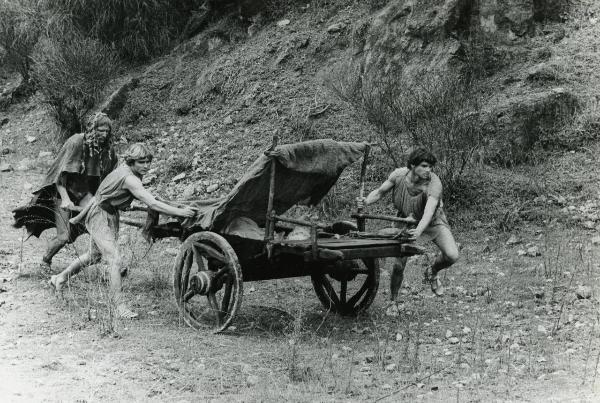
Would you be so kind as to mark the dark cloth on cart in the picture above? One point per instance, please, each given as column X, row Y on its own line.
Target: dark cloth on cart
column 304, row 173
column 83, row 174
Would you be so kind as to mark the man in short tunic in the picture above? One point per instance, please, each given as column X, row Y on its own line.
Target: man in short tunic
column 115, row 193
column 83, row 161
column 417, row 194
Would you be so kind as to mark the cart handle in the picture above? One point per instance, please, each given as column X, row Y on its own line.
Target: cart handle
column 363, row 217
column 360, row 221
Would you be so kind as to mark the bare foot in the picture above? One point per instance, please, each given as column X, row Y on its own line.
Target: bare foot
column 45, row 267
column 394, row 309
column 436, row 286
column 56, row 283
column 124, row 312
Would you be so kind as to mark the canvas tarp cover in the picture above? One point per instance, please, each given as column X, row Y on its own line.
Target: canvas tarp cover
column 304, row 173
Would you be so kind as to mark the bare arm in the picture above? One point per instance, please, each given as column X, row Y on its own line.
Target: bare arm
column 428, row 213
column 64, row 195
column 134, row 185
column 378, row 193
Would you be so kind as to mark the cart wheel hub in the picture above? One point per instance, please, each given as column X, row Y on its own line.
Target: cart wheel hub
column 201, row 282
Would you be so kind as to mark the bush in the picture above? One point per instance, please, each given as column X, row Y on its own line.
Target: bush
column 71, row 71
column 20, row 28
column 437, row 112
column 137, row 29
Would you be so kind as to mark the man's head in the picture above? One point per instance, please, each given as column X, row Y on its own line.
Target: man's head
column 420, row 162
column 138, row 156
column 99, row 131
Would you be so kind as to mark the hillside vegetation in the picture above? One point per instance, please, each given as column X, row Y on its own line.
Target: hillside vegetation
column 504, row 92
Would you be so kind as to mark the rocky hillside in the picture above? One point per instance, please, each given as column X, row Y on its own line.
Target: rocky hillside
column 212, row 105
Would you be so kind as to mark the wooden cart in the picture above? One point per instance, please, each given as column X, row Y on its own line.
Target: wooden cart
column 341, row 259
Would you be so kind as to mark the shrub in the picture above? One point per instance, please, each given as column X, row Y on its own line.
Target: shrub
column 71, row 71
column 437, row 112
column 20, row 27
column 137, row 29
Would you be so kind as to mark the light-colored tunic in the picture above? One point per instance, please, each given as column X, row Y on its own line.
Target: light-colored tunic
column 102, row 220
column 410, row 199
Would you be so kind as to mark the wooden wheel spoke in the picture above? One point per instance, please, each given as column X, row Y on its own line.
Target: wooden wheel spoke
column 223, row 271
column 330, row 291
column 198, row 258
column 188, row 295
column 343, row 290
column 212, row 252
column 359, row 294
column 226, row 297
column 207, row 251
column 186, row 272
column 214, row 306
column 357, row 287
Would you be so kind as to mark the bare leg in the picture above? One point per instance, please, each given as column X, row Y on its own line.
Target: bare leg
column 61, row 218
column 397, row 277
column 64, row 233
column 448, row 256
column 75, row 267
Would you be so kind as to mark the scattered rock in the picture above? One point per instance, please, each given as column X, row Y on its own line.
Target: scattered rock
column 31, row 139
column 188, row 192
column 588, row 224
column 27, row 186
column 448, row 333
column 44, row 154
column 212, row 188
column 466, row 330
column 179, row 177
column 390, row 367
column 25, row 164
column 337, row 27
column 513, row 240
column 453, row 340
column 369, row 357
column 533, row 251
column 7, row 150
column 596, row 240
column 583, row 292
column 521, row 252
column 6, row 167
column 541, row 329
column 252, row 380
column 149, row 179
column 283, row 23
column 398, row 336
column 228, row 120
column 172, row 251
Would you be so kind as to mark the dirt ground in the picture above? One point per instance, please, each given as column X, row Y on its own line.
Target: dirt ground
column 510, row 328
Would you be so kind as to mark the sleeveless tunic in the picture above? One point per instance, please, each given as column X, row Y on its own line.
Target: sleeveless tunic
column 412, row 200
column 110, row 198
column 111, row 195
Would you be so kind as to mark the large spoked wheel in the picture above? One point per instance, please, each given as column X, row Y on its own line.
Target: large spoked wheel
column 207, row 282
column 349, row 290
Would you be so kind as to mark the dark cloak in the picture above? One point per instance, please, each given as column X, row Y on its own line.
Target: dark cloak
column 38, row 215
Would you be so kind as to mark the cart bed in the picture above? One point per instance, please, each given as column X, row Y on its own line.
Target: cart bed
column 351, row 248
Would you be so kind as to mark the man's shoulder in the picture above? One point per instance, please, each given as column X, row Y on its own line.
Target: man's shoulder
column 77, row 138
column 435, row 179
column 397, row 173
